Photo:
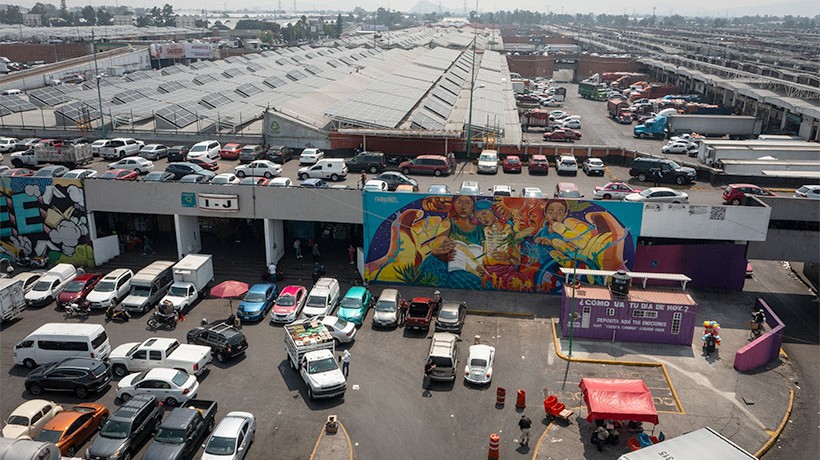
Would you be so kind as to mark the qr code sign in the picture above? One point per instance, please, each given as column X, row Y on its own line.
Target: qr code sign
column 718, row 213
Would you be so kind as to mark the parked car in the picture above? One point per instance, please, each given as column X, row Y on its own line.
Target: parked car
column 736, row 193
column 469, row 187
column 615, row 190
column 122, row 435
column 28, row 143
column 538, row 164
column 158, row 176
column 342, row 331
column 80, row 174
column 173, row 385
column 444, row 354
column 138, row 164
column 354, row 305
column 252, row 152
column 154, row 151
column 808, row 191
column 29, row 279
column 82, row 376
column 288, row 304
column 255, row 181
column 29, row 418
column 77, row 290
column 438, row 189
column 230, row 151
column 532, row 192
column 567, row 190
column 232, row 438
column 313, row 183
column 72, row 427
column 394, row 179
column 593, row 166
column 436, row 165
column 572, row 123
column 562, row 134
column 488, row 162
column 279, row 154
column 373, row 162
column 205, row 149
column 386, row 313
column 451, row 316
column 194, row 179
column 257, row 302
column 658, row 195
column 566, row 164
column 280, row 182
column 310, row 156
column 205, row 163
column 501, row 190
column 226, row 341
column 479, row 367
column 111, row 289
column 51, row 171
column 259, row 168
column 557, row 114
column 185, row 168
column 643, row 169
column 177, row 153
column 679, row 147
column 18, row 172
column 7, row 144
column 511, row 164
column 375, row 185
column 119, row 174
column 225, row 179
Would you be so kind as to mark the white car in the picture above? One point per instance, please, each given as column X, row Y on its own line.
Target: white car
column 615, row 190
column 593, row 166
column 469, row 187
column 678, row 147
column 232, row 438
column 310, row 156
column 205, row 149
column 571, row 124
column 488, row 162
column 7, row 144
column 169, row 385
column 501, row 190
column 479, row 368
column 79, row 174
column 342, row 331
column 549, row 102
column 808, row 191
column 658, row 195
column 375, row 185
column 566, row 164
column 225, row 179
column 98, row 144
column 280, row 182
column 557, row 115
column 138, row 164
column 262, row 168
column 532, row 192
column 28, row 419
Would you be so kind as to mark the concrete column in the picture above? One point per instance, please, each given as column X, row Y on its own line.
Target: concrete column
column 92, row 225
column 187, row 232
column 274, row 240
column 783, row 120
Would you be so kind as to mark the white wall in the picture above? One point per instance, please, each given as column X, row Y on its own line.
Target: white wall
column 188, row 238
column 274, row 240
column 105, row 249
column 731, row 223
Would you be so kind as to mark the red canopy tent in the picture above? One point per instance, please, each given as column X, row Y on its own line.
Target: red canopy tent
column 616, row 399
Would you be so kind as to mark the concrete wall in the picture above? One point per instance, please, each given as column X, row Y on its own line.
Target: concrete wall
column 729, row 223
column 280, row 130
column 29, row 52
column 791, row 245
column 329, row 205
column 711, row 266
column 189, row 240
column 105, row 249
column 764, row 348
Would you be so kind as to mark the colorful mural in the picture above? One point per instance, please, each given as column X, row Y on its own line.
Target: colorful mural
column 494, row 243
column 44, row 218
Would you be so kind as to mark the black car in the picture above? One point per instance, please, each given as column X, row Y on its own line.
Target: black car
column 279, row 154
column 252, row 152
column 127, row 429
column 158, row 176
column 182, row 169
column 373, row 162
column 225, row 340
column 394, row 179
column 646, row 169
column 78, row 375
column 177, row 153
column 450, row 317
column 179, row 435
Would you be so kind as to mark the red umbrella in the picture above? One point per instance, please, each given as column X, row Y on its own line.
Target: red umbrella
column 229, row 290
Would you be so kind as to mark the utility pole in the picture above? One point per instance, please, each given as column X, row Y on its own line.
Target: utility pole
column 98, row 78
column 472, row 88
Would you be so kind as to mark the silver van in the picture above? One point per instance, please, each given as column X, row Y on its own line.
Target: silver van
column 444, row 354
column 387, row 313
column 149, row 285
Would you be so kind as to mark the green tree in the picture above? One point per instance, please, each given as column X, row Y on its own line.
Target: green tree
column 89, row 15
column 104, row 18
column 11, row 15
column 338, row 32
column 167, row 15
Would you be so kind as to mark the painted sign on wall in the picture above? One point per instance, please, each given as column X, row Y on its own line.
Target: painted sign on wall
column 493, row 243
column 44, row 217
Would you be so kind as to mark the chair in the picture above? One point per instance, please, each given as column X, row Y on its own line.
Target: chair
column 549, row 402
column 644, row 440
column 633, row 444
column 657, row 439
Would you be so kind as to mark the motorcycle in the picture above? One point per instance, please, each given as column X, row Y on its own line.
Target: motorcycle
column 116, row 314
column 74, row 310
column 158, row 320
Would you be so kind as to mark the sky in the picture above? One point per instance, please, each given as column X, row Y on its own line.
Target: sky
column 637, row 8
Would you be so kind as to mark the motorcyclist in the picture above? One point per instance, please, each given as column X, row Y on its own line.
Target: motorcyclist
column 318, row 272
column 113, row 312
column 166, row 310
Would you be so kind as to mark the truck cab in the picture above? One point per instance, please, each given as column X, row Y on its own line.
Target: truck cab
column 322, row 374
column 192, row 275
column 180, row 434
column 159, row 352
column 420, row 313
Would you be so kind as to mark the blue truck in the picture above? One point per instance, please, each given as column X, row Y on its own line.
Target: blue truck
column 736, row 127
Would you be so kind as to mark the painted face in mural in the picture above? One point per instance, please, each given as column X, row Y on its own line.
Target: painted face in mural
column 485, row 217
column 462, row 207
column 556, row 211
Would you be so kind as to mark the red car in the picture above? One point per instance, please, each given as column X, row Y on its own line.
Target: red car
column 120, row 174
column 563, row 134
column 511, row 164
column 18, row 172
column 735, row 193
column 539, row 164
column 210, row 165
column 615, row 190
column 419, row 314
column 230, row 151
column 426, row 164
column 78, row 288
column 289, row 304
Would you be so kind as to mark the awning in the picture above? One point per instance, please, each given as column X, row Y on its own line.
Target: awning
column 616, row 399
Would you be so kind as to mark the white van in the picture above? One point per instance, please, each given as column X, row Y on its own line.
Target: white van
column 53, row 342
column 334, row 169
column 488, row 162
column 322, row 299
column 50, row 285
column 206, row 150
column 111, row 289
column 149, row 285
column 11, row 92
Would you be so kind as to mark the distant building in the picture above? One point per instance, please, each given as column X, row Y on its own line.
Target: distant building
column 123, row 19
column 187, row 21
column 32, row 20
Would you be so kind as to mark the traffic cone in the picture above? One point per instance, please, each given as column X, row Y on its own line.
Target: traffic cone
column 521, row 399
column 500, row 395
column 495, row 441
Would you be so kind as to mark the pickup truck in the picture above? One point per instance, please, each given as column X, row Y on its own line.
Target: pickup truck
column 120, row 148
column 310, row 348
column 420, row 313
column 181, row 432
column 159, row 352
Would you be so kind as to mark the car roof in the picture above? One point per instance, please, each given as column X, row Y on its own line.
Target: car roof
column 744, row 185
column 31, row 407
column 292, row 289
column 481, row 350
column 79, row 363
column 62, row 420
column 355, row 291
column 161, row 372
column 261, row 287
column 567, row 185
column 229, row 426
column 451, row 305
column 437, row 157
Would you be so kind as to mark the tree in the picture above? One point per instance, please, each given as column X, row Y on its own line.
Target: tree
column 63, row 10
column 168, row 17
column 338, row 26
column 11, row 15
column 104, row 18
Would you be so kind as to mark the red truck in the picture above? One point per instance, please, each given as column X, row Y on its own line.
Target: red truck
column 420, row 314
column 654, row 91
column 618, row 109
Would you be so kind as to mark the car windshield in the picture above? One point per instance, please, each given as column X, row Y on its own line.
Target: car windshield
column 139, row 377
column 115, row 429
column 673, row 165
column 351, row 302
column 199, row 148
column 442, row 361
column 75, row 286
column 42, row 286
column 21, row 420
column 254, row 297
column 448, row 314
column 418, row 309
column 486, row 157
column 286, row 300
column 180, row 378
column 105, row 286
column 170, row 436
column 49, row 436
column 220, row 446
column 178, row 291
column 571, row 194
column 478, row 362
column 321, row 365
column 647, row 192
column 340, row 324
column 316, row 301
column 141, row 291
column 385, row 305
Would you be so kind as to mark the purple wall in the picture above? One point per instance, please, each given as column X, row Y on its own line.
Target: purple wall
column 717, row 266
column 623, row 326
column 764, row 348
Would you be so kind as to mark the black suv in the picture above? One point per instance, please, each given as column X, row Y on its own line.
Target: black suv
column 373, row 162
column 644, row 170
column 225, row 340
column 279, row 154
column 78, row 375
column 177, row 153
column 127, row 429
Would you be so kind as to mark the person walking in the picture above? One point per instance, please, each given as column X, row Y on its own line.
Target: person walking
column 315, row 252
column 364, row 179
column 345, row 362
column 403, row 306
column 146, row 245
column 524, row 423
column 297, row 247
column 429, row 367
column 657, row 175
column 272, row 271
column 351, row 254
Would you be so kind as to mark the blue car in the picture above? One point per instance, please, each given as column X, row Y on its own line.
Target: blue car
column 257, row 302
column 354, row 305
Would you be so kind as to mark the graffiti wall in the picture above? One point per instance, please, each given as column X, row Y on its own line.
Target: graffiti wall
column 494, row 243
column 44, row 218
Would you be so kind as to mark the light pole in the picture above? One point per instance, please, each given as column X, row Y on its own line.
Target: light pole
column 572, row 307
column 472, row 88
column 98, row 78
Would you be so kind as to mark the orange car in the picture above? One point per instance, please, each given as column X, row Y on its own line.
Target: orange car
column 74, row 426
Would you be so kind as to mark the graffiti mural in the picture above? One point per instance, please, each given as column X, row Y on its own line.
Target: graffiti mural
column 44, row 218
column 494, row 243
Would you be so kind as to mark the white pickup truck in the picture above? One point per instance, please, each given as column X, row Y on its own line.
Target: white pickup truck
column 310, row 349
column 120, row 148
column 159, row 352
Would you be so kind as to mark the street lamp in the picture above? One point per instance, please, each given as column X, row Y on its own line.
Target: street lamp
column 98, row 78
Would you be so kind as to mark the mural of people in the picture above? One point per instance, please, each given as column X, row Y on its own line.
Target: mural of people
column 495, row 243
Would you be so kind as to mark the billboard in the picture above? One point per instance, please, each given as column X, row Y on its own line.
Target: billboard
column 180, row 50
column 494, row 243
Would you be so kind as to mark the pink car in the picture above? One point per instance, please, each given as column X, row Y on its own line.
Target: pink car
column 289, row 304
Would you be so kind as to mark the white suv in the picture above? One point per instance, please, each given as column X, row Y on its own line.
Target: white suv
column 111, row 289
column 205, row 149
column 488, row 162
column 566, row 164
column 7, row 144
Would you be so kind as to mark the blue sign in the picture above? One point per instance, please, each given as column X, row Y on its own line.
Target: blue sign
column 188, row 199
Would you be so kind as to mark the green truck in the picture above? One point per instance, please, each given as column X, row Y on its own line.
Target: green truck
column 590, row 90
